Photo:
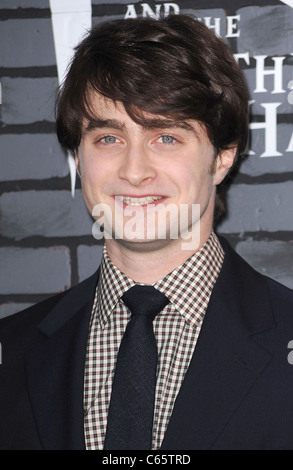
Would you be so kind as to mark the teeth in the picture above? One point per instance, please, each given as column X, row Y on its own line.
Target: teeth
column 138, row 201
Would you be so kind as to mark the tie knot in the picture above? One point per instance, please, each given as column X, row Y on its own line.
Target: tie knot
column 144, row 300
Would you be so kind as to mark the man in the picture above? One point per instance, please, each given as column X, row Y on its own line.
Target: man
column 155, row 113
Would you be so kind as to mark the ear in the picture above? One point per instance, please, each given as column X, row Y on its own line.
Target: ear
column 223, row 164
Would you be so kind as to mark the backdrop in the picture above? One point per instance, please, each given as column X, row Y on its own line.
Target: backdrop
column 46, row 244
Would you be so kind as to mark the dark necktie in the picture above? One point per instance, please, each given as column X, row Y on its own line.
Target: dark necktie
column 130, row 417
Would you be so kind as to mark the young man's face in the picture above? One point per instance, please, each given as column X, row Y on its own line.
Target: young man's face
column 137, row 172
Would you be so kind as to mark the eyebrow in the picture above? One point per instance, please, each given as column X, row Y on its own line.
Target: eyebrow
column 147, row 124
column 97, row 123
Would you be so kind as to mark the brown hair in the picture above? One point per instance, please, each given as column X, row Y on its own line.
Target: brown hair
column 174, row 67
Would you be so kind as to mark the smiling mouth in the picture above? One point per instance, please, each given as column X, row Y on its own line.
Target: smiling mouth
column 138, row 201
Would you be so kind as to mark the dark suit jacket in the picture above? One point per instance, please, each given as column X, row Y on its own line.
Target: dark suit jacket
column 237, row 394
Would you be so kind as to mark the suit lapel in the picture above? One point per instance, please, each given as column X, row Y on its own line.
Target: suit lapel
column 227, row 359
column 55, row 370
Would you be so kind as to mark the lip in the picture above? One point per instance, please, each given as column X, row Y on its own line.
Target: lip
column 153, row 203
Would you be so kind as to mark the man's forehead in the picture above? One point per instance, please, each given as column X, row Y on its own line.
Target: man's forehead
column 107, row 113
column 147, row 124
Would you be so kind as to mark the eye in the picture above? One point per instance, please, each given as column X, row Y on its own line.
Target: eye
column 167, row 139
column 109, row 139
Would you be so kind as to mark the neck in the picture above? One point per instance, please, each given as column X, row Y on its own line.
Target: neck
column 148, row 262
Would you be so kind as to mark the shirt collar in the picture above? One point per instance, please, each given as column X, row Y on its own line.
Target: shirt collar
column 188, row 287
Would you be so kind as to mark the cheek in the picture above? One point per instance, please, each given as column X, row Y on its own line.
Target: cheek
column 93, row 171
column 186, row 175
column 195, row 182
column 90, row 183
column 98, row 182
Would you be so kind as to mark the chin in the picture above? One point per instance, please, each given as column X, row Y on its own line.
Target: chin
column 144, row 245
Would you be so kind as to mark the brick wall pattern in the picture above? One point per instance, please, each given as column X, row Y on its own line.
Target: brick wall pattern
column 46, row 244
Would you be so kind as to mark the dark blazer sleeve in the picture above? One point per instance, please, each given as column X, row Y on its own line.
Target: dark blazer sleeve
column 41, row 375
column 19, row 334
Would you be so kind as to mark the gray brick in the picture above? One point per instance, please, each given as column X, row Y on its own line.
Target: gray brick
column 272, row 258
column 252, row 208
column 89, row 258
column 269, row 84
column 266, row 30
column 255, row 165
column 27, row 43
column 31, row 156
column 11, row 308
column 45, row 213
column 34, row 271
column 27, row 100
column 11, row 4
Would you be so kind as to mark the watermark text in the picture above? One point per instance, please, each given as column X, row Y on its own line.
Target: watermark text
column 148, row 222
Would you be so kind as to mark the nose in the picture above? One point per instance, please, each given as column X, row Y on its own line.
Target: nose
column 136, row 167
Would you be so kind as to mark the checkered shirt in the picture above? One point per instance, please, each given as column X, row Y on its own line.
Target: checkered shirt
column 176, row 329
